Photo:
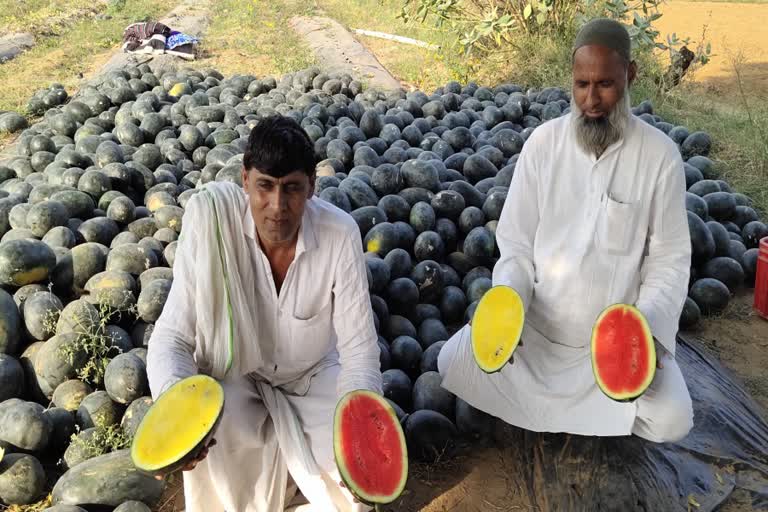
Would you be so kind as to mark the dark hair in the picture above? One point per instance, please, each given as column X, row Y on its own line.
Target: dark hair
column 278, row 146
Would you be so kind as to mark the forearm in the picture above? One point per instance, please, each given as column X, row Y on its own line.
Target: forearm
column 665, row 271
column 663, row 290
column 170, row 354
column 170, row 358
column 360, row 366
column 357, row 341
column 517, row 272
column 516, row 233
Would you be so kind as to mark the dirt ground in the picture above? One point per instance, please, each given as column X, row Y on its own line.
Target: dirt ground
column 477, row 481
column 735, row 30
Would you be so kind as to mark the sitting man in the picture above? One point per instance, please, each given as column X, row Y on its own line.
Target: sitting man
column 270, row 297
column 595, row 216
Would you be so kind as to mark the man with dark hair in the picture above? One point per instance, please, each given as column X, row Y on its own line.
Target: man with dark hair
column 595, row 216
column 270, row 297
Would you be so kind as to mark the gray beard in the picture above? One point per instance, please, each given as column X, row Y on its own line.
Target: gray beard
column 595, row 135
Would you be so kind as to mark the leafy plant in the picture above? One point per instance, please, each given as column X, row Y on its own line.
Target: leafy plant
column 95, row 342
column 40, row 506
column 534, row 33
column 490, row 24
column 104, row 440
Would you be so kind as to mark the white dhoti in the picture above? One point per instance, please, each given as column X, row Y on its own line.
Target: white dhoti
column 551, row 388
column 248, row 468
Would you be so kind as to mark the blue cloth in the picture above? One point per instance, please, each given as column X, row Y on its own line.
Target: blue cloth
column 179, row 39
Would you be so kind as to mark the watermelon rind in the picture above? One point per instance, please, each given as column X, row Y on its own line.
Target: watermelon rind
column 361, row 494
column 511, row 331
column 629, row 394
column 197, row 440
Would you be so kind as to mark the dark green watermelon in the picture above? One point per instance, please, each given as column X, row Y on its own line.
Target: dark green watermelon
column 702, row 242
column 711, row 295
column 397, row 387
column 422, row 217
column 721, row 237
column 753, row 232
column 93, row 482
column 429, row 435
column 726, row 270
column 721, row 205
column 25, row 261
column 749, row 264
column 430, row 395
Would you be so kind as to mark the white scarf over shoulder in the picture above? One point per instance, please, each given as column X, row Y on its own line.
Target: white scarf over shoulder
column 223, row 307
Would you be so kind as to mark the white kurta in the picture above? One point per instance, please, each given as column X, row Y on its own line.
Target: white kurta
column 224, row 317
column 576, row 235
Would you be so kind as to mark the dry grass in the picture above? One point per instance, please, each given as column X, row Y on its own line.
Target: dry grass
column 252, row 37
column 172, row 499
column 73, row 53
column 726, row 1
column 419, row 67
column 44, row 17
column 39, row 506
column 738, row 126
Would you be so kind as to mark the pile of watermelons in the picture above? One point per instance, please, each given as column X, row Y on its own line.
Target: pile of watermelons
column 92, row 205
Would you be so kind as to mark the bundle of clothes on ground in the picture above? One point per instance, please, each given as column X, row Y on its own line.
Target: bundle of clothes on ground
column 153, row 37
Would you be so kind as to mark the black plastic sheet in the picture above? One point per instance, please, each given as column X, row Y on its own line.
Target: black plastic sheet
column 726, row 450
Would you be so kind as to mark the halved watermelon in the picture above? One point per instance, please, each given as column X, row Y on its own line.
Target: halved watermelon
column 623, row 352
column 369, row 447
column 496, row 327
column 178, row 425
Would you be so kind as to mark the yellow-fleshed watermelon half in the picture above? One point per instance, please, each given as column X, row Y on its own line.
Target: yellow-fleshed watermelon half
column 178, row 425
column 623, row 352
column 369, row 447
column 496, row 327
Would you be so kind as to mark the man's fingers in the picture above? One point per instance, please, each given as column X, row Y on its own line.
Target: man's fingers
column 194, row 462
column 343, row 486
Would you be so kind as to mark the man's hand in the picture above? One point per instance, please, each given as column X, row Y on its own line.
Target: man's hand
column 194, row 462
column 344, row 486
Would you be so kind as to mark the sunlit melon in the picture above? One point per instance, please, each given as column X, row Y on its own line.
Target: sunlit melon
column 178, row 425
column 623, row 352
column 369, row 447
column 496, row 327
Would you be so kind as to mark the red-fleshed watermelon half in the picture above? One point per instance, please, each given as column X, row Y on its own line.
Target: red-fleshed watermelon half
column 370, row 448
column 623, row 352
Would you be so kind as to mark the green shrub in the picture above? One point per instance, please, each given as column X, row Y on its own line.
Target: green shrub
column 530, row 40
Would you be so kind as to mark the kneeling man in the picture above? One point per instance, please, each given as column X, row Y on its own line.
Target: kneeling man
column 270, row 297
column 595, row 216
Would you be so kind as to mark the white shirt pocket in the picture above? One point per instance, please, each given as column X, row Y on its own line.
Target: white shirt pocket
column 617, row 226
column 310, row 337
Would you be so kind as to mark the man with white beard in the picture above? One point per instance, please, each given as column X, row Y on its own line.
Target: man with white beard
column 595, row 216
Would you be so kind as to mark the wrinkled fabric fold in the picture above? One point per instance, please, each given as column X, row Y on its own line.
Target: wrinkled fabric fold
column 224, row 318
